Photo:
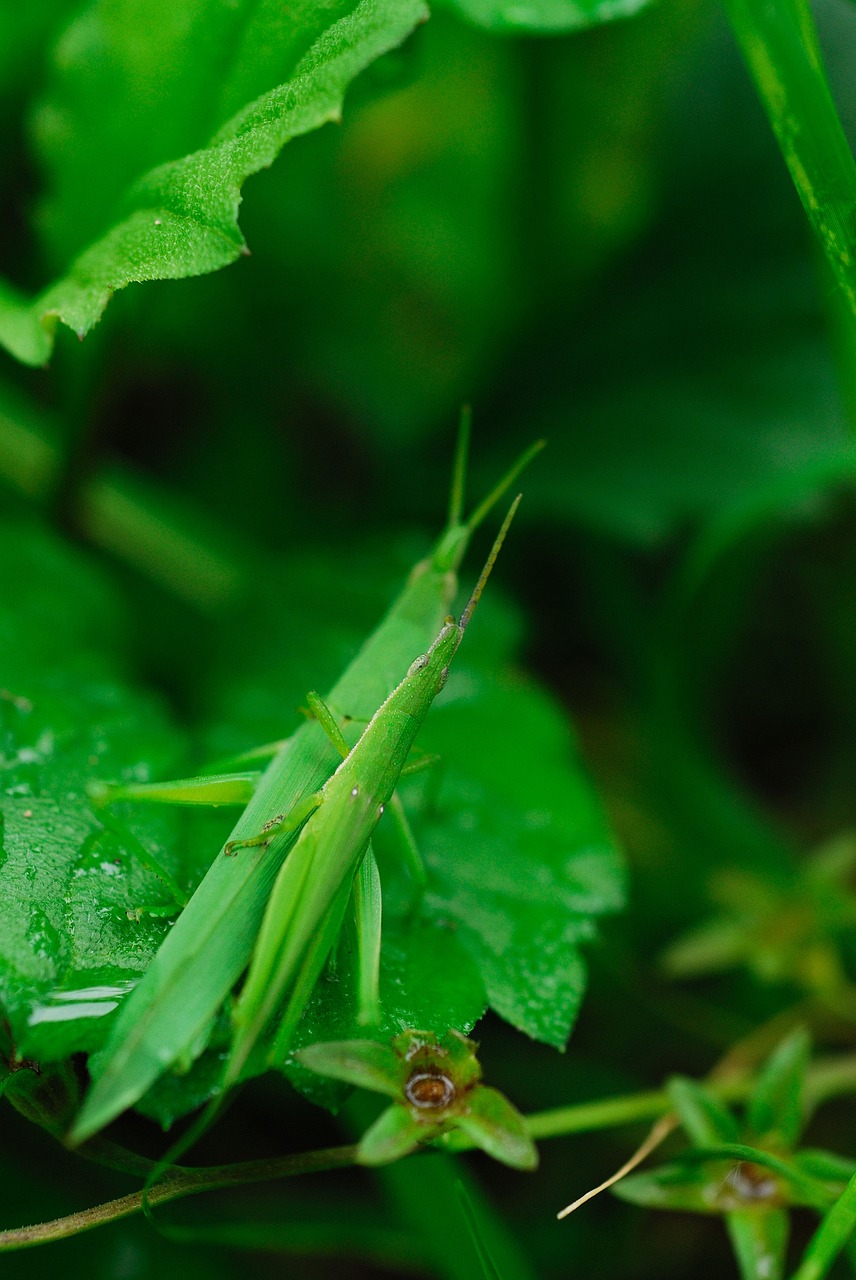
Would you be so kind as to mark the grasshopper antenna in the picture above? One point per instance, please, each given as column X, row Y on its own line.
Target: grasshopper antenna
column 504, row 485
column 489, row 563
column 449, row 551
column 459, row 468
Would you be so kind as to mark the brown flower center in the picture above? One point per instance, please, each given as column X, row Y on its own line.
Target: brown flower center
column 752, row 1182
column 429, row 1090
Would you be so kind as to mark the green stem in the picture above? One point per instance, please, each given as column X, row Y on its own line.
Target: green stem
column 826, row 1079
column 182, row 1182
column 123, row 514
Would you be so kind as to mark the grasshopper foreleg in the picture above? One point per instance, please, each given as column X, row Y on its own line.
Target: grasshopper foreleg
column 282, row 823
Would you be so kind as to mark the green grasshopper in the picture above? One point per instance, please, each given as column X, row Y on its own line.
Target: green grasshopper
column 305, row 912
column 169, row 1014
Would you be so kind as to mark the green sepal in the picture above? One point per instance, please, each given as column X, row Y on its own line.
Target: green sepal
column 720, row 943
column 498, row 1128
column 703, row 1116
column 460, row 1053
column 776, row 1106
column 394, row 1134
column 677, row 1187
column 760, row 1242
column 825, row 1165
column 363, row 1063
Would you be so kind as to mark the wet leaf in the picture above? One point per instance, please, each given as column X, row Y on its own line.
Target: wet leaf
column 543, row 16
column 362, row 1063
column 71, row 944
column 179, row 218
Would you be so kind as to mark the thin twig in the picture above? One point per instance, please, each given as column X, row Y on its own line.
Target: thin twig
column 182, row 1182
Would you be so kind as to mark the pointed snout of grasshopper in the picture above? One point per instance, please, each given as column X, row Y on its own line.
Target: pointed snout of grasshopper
column 441, row 652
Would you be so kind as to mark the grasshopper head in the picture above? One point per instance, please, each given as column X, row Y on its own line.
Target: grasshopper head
column 435, row 663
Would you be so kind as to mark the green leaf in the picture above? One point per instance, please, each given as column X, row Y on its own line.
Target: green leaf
column 777, row 1106
column 825, row 1165
column 543, row 16
column 69, row 949
column 785, row 925
column 705, row 1119
column 425, row 1193
column 782, row 50
column 394, row 1134
column 516, row 845
column 487, row 1265
column 362, row 1063
column 498, row 1128
column 180, row 218
column 830, row 1237
column 23, row 32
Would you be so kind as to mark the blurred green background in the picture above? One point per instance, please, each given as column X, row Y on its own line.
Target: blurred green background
column 589, row 237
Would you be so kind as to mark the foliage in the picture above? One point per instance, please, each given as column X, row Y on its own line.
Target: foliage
column 596, row 221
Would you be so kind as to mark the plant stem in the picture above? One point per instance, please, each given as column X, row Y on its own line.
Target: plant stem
column 182, row 1182
column 824, row 1080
